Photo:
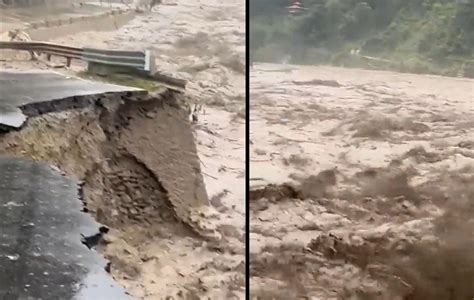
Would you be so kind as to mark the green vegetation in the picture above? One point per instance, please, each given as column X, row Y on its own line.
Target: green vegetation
column 420, row 36
column 133, row 81
column 124, row 79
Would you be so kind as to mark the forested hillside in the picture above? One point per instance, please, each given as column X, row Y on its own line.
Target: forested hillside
column 421, row 36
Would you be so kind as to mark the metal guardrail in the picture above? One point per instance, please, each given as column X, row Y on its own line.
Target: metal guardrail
column 140, row 60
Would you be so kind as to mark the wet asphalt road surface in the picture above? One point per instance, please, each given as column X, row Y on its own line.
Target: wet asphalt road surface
column 26, row 94
column 41, row 219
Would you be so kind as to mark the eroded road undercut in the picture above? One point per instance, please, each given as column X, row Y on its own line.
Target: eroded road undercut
column 132, row 154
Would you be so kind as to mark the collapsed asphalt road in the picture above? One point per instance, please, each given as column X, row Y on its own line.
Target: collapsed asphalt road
column 33, row 93
column 41, row 213
column 128, row 151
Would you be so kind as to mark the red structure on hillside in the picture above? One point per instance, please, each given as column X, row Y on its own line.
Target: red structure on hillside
column 295, row 8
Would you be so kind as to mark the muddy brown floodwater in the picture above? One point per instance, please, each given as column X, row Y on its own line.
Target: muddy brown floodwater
column 158, row 251
column 362, row 184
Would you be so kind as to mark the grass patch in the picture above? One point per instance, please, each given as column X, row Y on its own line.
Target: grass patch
column 125, row 80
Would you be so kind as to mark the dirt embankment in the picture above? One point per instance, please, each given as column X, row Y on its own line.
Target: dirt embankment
column 141, row 176
column 362, row 189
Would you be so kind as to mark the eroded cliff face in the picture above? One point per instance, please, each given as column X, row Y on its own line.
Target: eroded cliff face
column 147, row 135
column 138, row 162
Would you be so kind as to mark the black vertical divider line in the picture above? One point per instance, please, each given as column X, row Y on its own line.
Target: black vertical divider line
column 247, row 149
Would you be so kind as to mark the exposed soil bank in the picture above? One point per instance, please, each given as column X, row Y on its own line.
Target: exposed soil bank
column 141, row 173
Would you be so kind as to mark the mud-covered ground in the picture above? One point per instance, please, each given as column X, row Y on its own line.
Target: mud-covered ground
column 161, row 255
column 19, row 17
column 362, row 184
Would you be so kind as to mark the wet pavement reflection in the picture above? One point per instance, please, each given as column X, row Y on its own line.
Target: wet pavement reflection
column 41, row 223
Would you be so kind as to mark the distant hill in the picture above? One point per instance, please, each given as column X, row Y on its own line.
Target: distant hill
column 421, row 36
